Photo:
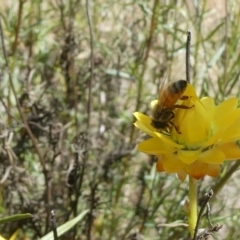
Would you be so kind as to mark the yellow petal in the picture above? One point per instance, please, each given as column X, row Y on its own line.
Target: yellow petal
column 15, row 234
column 144, row 123
column 182, row 175
column 171, row 163
column 226, row 120
column 142, row 117
column 226, row 106
column 214, row 155
column 231, row 151
column 159, row 165
column 144, row 128
column 215, row 138
column 154, row 146
column 213, row 170
column 232, row 133
column 188, row 156
column 194, row 125
column 208, row 103
column 168, row 141
column 197, row 170
column 190, row 91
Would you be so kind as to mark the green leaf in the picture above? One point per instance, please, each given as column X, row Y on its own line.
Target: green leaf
column 15, row 218
column 66, row 226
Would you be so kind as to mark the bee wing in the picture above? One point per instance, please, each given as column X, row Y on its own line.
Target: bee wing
column 162, row 98
column 162, row 86
column 171, row 93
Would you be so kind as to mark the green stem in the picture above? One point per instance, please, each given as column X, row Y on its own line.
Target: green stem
column 192, row 216
column 15, row 217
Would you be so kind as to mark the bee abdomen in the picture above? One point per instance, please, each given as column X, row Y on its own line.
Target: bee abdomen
column 178, row 86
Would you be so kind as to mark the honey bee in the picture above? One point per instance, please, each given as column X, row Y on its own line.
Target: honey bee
column 163, row 111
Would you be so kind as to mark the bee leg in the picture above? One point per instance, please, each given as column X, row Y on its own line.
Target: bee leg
column 181, row 106
column 184, row 97
column 176, row 128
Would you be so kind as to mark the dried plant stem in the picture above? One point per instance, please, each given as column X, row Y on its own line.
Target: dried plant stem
column 188, row 44
column 54, row 225
column 226, row 48
column 148, row 47
column 25, row 123
column 15, row 43
column 89, row 107
column 205, row 203
column 19, row 106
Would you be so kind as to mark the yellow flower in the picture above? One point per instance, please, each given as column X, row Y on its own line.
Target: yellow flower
column 205, row 137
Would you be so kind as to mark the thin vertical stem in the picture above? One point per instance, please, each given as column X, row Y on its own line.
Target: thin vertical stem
column 188, row 44
column 226, row 48
column 192, row 217
column 89, row 106
column 89, row 17
column 54, row 225
column 15, row 43
column 205, row 204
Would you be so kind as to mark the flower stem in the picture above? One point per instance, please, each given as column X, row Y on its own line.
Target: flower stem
column 192, row 216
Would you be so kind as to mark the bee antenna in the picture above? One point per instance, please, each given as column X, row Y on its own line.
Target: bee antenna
column 188, row 43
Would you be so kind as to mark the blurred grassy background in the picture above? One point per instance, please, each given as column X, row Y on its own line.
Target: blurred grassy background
column 67, row 138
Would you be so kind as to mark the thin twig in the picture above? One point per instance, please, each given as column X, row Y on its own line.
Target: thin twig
column 152, row 30
column 188, row 45
column 18, row 103
column 89, row 107
column 21, row 2
column 61, row 7
column 25, row 123
column 54, row 225
column 226, row 48
column 205, row 203
column 145, row 58
column 92, row 206
column 208, row 214
column 209, row 232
